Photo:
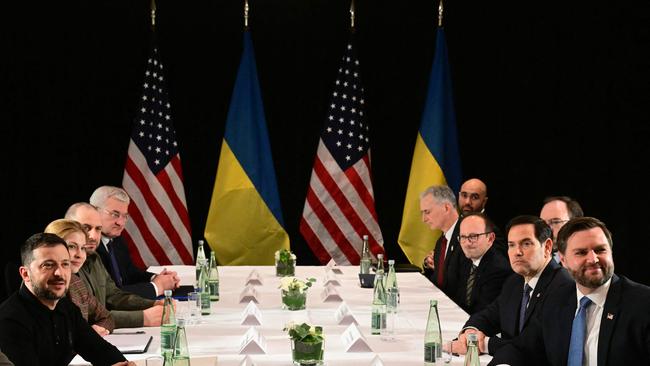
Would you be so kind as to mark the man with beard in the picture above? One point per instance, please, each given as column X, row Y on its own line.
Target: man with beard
column 472, row 198
column 39, row 325
column 128, row 310
column 601, row 320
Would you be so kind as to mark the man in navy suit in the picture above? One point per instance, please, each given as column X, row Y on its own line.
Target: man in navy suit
column 536, row 276
column 113, row 204
column 602, row 320
column 483, row 275
column 442, row 265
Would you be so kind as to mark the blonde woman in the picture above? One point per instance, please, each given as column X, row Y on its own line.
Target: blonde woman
column 92, row 310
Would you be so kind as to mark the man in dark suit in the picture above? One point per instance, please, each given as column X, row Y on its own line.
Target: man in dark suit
column 482, row 277
column 473, row 198
column 536, row 276
column 557, row 211
column 113, row 204
column 602, row 320
column 442, row 265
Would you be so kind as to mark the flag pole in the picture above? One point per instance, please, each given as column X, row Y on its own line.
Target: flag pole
column 153, row 14
column 440, row 11
column 352, row 15
column 246, row 8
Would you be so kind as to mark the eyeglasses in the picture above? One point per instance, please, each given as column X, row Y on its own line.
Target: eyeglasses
column 116, row 214
column 472, row 238
column 555, row 222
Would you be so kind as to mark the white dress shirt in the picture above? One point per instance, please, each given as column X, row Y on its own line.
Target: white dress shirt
column 594, row 316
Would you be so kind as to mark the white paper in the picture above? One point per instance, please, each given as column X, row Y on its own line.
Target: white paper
column 248, row 294
column 353, row 340
column 246, row 361
column 344, row 315
column 254, row 278
column 252, row 343
column 251, row 315
column 129, row 343
column 330, row 294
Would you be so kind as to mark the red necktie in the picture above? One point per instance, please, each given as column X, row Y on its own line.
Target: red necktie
column 441, row 260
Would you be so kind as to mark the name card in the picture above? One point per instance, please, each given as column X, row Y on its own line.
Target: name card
column 353, row 340
column 252, row 343
column 254, row 278
column 331, row 279
column 344, row 316
column 377, row 361
column 251, row 315
column 246, row 361
column 331, row 266
column 330, row 294
column 249, row 294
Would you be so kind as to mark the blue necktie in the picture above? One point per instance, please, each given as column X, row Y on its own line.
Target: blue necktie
column 578, row 330
column 524, row 306
column 116, row 267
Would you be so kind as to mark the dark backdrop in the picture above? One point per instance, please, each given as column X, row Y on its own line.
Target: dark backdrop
column 551, row 98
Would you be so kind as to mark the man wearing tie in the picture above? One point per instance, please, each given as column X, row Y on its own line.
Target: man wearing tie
column 442, row 265
column 112, row 204
column 601, row 320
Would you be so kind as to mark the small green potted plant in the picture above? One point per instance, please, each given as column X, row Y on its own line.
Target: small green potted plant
column 306, row 343
column 285, row 263
column 294, row 292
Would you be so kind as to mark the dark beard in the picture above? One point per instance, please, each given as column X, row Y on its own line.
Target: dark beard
column 593, row 283
column 44, row 293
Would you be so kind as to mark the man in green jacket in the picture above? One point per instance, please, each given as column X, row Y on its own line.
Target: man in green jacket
column 128, row 310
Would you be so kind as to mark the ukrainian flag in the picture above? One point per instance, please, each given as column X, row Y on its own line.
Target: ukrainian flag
column 244, row 225
column 436, row 159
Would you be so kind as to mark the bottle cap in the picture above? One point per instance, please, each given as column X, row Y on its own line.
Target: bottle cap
column 434, row 302
column 200, row 242
column 180, row 322
column 472, row 337
column 391, row 262
column 168, row 293
column 365, row 237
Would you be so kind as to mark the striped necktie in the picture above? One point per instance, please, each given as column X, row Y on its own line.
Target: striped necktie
column 470, row 285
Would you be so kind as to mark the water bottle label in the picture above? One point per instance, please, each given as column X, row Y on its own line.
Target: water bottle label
column 430, row 352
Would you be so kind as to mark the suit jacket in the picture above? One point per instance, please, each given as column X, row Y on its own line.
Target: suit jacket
column 33, row 335
column 502, row 315
column 134, row 279
column 491, row 273
column 454, row 260
column 624, row 337
column 125, row 307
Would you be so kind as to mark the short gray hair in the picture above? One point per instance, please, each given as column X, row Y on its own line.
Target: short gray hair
column 441, row 194
column 103, row 193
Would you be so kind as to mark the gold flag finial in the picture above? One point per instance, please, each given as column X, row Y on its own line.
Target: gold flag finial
column 440, row 10
column 246, row 8
column 352, row 14
column 153, row 13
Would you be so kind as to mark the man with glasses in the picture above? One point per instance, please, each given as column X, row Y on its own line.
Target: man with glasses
column 557, row 211
column 536, row 276
column 483, row 275
column 113, row 204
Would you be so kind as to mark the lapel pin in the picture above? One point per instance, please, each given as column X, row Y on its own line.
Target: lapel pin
column 538, row 294
column 610, row 316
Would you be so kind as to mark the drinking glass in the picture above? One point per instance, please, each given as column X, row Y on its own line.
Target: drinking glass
column 194, row 307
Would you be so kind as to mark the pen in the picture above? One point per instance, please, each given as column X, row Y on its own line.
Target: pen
column 136, row 332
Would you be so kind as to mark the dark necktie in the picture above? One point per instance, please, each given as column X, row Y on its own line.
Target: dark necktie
column 578, row 336
column 114, row 265
column 470, row 285
column 524, row 306
column 441, row 261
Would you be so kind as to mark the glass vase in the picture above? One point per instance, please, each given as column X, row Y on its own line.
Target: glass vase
column 294, row 300
column 307, row 353
column 285, row 269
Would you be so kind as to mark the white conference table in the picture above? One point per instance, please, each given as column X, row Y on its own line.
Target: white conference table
column 217, row 337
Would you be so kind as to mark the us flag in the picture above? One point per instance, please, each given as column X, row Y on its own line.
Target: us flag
column 340, row 205
column 159, row 230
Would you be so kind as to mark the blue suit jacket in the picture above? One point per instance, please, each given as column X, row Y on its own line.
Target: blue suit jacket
column 624, row 337
column 134, row 279
column 502, row 315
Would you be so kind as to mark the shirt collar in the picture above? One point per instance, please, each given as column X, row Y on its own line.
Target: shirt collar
column 105, row 241
column 598, row 296
column 449, row 234
column 533, row 281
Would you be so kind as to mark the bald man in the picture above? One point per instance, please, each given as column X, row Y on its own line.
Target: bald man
column 472, row 198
